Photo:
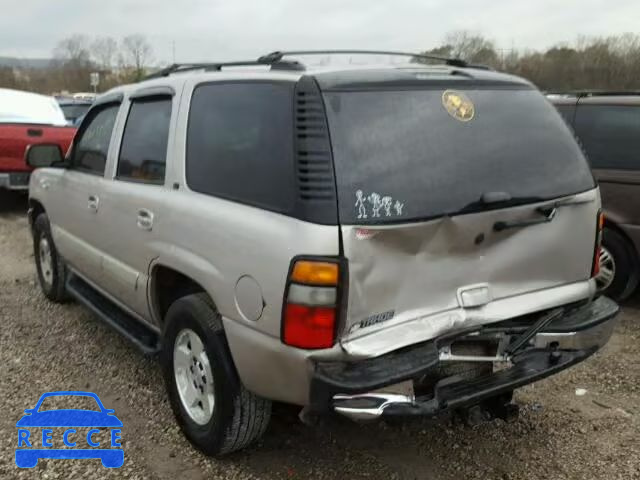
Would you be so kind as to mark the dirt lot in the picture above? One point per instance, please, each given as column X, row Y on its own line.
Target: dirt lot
column 560, row 435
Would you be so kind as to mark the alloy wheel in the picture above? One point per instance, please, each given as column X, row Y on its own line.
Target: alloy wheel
column 193, row 376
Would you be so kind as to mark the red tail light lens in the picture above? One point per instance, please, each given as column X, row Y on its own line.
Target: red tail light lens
column 310, row 311
column 595, row 267
column 596, row 263
column 309, row 327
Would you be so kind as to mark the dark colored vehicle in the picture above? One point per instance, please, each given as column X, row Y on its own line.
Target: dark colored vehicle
column 74, row 109
column 27, row 118
column 608, row 126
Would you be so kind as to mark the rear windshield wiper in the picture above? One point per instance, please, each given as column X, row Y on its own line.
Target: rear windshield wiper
column 548, row 213
column 496, row 200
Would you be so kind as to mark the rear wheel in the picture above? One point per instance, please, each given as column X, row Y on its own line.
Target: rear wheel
column 49, row 266
column 618, row 276
column 216, row 413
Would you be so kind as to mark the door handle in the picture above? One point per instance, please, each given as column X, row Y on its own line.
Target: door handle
column 93, row 203
column 145, row 219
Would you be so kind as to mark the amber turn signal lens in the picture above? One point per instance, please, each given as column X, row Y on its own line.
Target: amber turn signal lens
column 315, row 273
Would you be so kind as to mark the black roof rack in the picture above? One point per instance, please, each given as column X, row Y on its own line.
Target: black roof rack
column 276, row 61
column 217, row 66
column 595, row 93
column 278, row 56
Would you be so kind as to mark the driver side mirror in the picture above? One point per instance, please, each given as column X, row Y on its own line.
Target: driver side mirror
column 43, row 155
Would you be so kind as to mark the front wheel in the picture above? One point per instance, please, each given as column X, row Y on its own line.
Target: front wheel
column 216, row 413
column 49, row 266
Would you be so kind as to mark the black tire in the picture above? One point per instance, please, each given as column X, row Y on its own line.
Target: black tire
column 54, row 289
column 239, row 417
column 625, row 279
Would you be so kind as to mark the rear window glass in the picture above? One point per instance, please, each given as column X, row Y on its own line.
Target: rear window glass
column 401, row 155
column 610, row 135
column 240, row 143
column 73, row 112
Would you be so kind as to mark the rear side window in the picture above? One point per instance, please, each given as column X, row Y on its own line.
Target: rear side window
column 610, row 135
column 92, row 145
column 143, row 154
column 240, row 143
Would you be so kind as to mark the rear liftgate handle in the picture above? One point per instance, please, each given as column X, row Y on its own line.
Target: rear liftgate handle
column 145, row 219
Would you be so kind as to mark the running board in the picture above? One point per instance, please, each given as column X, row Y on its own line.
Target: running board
column 142, row 337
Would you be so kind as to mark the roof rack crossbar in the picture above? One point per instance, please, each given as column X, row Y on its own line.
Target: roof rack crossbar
column 217, row 66
column 278, row 56
column 595, row 93
column 276, row 61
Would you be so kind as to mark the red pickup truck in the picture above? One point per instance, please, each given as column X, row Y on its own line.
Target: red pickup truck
column 27, row 118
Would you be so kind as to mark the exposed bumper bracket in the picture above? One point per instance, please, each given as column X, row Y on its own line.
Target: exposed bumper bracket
column 522, row 340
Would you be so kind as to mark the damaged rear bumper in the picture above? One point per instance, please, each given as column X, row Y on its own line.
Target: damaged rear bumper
column 357, row 389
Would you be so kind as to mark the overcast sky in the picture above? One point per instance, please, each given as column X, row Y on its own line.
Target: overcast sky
column 224, row 29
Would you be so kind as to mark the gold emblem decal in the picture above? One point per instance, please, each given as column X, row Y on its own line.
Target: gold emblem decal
column 458, row 105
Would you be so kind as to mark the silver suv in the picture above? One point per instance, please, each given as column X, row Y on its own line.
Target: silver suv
column 368, row 240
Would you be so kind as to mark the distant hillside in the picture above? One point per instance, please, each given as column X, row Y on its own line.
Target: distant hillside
column 24, row 62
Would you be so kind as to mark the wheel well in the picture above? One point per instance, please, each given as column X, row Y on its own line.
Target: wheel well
column 613, row 226
column 168, row 285
column 36, row 209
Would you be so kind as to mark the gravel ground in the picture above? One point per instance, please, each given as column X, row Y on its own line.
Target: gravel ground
column 559, row 435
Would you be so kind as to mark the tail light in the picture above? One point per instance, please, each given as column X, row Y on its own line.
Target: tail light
column 595, row 267
column 312, row 303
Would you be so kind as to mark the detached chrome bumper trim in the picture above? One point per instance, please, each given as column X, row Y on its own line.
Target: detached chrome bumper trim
column 369, row 406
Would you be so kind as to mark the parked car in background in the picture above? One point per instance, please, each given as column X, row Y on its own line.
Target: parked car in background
column 74, row 109
column 27, row 118
column 84, row 96
column 607, row 125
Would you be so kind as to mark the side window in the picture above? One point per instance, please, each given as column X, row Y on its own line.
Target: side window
column 240, row 143
column 610, row 135
column 92, row 145
column 143, row 154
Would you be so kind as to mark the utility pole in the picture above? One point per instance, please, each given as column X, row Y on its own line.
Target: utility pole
column 173, row 49
column 94, row 80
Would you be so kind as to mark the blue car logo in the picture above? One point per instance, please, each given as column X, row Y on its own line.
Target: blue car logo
column 29, row 451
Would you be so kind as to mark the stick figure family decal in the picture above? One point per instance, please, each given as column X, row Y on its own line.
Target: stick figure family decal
column 379, row 205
